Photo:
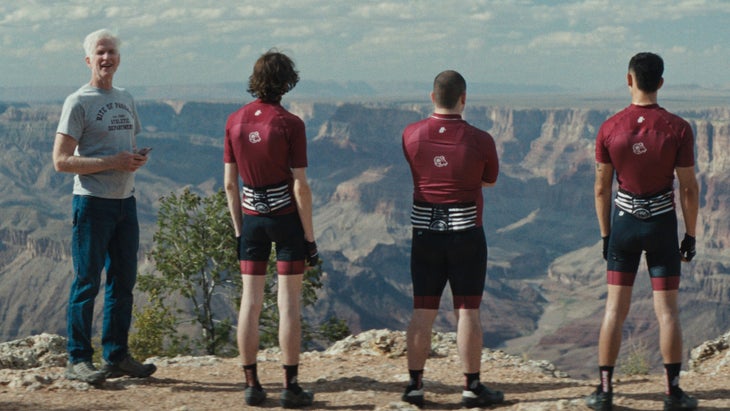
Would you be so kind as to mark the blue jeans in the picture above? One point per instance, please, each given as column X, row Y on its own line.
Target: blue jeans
column 105, row 236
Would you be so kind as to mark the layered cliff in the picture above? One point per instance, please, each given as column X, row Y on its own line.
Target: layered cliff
column 545, row 279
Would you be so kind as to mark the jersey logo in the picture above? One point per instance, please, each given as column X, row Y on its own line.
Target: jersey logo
column 442, row 130
column 254, row 137
column 440, row 161
column 257, row 113
column 640, row 119
column 639, row 148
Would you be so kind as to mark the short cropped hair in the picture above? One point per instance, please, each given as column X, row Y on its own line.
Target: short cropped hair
column 448, row 86
column 274, row 75
column 92, row 40
column 648, row 69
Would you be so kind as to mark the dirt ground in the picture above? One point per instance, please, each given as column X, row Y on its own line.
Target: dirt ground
column 348, row 381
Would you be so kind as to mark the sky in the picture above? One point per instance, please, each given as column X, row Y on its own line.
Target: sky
column 580, row 45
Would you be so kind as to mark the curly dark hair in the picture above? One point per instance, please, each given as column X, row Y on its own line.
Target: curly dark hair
column 273, row 76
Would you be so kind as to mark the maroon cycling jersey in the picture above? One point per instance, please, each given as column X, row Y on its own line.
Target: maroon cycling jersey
column 449, row 160
column 265, row 141
column 644, row 144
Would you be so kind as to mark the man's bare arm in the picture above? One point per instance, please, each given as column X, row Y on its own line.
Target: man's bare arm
column 303, row 198
column 602, row 191
column 233, row 195
column 689, row 198
column 65, row 161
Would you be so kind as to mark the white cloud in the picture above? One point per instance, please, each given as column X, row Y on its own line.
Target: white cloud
column 143, row 21
column 475, row 44
column 387, row 10
column 482, row 16
column 26, row 15
column 250, row 11
column 397, row 39
column 77, row 13
column 600, row 37
column 118, row 12
column 211, row 13
column 292, row 31
column 245, row 52
column 58, row 45
column 630, row 11
column 173, row 44
column 684, row 8
column 175, row 14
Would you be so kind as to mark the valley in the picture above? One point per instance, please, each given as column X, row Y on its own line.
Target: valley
column 545, row 285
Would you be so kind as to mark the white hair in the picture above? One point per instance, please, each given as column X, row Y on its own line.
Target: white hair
column 92, row 40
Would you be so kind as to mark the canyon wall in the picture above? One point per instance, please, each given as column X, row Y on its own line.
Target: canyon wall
column 545, row 273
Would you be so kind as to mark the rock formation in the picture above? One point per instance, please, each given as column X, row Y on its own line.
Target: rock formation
column 545, row 274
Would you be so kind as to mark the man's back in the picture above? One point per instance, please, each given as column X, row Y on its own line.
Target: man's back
column 266, row 141
column 645, row 144
column 449, row 159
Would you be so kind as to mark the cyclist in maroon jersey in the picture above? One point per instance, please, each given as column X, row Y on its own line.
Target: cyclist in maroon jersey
column 450, row 162
column 645, row 146
column 266, row 146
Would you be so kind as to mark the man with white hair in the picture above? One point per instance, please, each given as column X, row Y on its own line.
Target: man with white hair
column 96, row 141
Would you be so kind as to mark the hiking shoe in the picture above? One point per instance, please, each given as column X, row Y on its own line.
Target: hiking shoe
column 254, row 395
column 413, row 396
column 84, row 371
column 128, row 366
column 290, row 399
column 481, row 396
column 599, row 400
column 681, row 403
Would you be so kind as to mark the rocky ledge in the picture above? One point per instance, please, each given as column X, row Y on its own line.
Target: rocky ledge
column 364, row 371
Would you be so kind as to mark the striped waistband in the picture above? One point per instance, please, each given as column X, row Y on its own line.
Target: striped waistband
column 444, row 217
column 265, row 200
column 645, row 207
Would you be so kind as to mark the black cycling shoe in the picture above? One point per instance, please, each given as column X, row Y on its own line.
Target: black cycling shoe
column 291, row 399
column 481, row 396
column 600, row 400
column 129, row 367
column 683, row 402
column 413, row 396
column 254, row 395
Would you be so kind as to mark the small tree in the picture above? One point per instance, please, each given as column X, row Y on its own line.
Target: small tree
column 332, row 329
column 156, row 324
column 636, row 361
column 195, row 255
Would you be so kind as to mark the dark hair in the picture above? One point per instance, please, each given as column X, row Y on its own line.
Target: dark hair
column 448, row 86
column 647, row 69
column 273, row 76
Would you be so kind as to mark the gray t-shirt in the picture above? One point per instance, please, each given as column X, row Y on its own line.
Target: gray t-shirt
column 103, row 122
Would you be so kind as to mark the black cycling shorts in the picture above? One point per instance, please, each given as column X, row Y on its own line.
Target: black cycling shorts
column 657, row 237
column 257, row 234
column 459, row 257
